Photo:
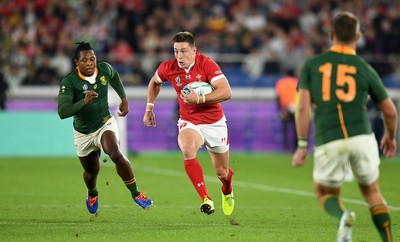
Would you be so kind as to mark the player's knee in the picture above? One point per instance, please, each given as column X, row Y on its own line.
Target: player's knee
column 115, row 155
column 92, row 175
column 188, row 151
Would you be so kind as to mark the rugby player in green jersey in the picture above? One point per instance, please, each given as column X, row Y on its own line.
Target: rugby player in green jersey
column 337, row 84
column 83, row 94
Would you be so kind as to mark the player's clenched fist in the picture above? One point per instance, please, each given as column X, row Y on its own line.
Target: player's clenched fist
column 90, row 95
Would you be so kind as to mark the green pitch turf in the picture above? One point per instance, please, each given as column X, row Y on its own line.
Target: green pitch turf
column 43, row 199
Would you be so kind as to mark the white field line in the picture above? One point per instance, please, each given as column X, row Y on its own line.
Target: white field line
column 175, row 173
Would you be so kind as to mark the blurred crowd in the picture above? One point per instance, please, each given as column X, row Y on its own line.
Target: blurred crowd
column 37, row 37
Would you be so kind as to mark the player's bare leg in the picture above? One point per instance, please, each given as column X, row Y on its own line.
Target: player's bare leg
column 91, row 168
column 123, row 166
column 111, row 147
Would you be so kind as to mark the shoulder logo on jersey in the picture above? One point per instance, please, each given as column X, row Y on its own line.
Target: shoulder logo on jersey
column 62, row 89
column 103, row 80
column 178, row 81
column 218, row 72
column 85, row 89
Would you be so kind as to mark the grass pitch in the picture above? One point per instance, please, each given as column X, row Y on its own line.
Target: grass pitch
column 43, row 199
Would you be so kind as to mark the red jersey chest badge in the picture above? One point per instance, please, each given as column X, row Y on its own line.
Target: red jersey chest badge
column 198, row 77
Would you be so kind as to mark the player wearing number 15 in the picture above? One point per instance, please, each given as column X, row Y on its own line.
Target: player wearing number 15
column 337, row 83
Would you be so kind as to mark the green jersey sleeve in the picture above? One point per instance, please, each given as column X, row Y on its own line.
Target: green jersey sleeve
column 115, row 81
column 304, row 80
column 66, row 107
column 377, row 90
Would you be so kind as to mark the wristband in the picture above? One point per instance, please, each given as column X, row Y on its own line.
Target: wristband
column 204, row 98
column 302, row 143
column 149, row 107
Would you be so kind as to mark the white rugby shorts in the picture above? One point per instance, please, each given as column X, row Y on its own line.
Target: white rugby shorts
column 86, row 143
column 332, row 159
column 215, row 136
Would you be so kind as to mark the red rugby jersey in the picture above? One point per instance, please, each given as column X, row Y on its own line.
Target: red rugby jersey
column 204, row 69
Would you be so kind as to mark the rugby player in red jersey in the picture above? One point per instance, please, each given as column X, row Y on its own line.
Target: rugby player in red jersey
column 202, row 120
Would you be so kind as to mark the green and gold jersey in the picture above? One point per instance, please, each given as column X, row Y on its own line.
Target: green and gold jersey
column 340, row 83
column 73, row 88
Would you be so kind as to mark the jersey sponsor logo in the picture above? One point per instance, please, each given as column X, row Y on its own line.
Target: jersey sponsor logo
column 106, row 118
column 103, row 80
column 178, row 81
column 95, row 86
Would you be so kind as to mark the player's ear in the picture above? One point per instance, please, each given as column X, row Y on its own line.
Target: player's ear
column 358, row 36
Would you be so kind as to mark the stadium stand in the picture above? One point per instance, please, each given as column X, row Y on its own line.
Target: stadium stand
column 265, row 37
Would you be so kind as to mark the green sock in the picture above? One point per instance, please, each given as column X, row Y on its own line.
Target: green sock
column 333, row 206
column 380, row 216
column 93, row 192
column 131, row 185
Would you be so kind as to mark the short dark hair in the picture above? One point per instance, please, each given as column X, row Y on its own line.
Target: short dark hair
column 185, row 36
column 345, row 27
column 81, row 46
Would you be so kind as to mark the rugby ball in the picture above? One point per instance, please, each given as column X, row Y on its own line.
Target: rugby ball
column 201, row 88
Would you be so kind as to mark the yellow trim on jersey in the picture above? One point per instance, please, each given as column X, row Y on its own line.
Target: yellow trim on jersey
column 342, row 124
column 343, row 49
